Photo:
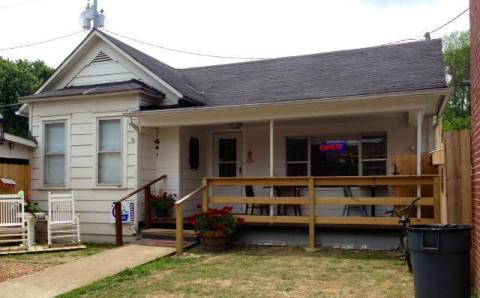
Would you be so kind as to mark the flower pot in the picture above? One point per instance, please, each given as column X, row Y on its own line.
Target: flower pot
column 214, row 240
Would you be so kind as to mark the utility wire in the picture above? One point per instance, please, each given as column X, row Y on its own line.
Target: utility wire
column 447, row 23
column 429, row 32
column 41, row 42
column 184, row 51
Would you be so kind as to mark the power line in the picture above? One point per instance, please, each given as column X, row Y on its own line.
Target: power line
column 41, row 42
column 447, row 23
column 184, row 51
column 427, row 34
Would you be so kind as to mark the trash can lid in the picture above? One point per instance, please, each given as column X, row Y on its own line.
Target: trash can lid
column 439, row 227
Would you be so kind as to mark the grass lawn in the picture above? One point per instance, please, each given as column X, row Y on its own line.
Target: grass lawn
column 261, row 272
column 12, row 266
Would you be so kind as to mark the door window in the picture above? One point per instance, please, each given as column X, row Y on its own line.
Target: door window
column 227, row 157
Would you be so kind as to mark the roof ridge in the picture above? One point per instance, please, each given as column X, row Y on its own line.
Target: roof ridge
column 343, row 51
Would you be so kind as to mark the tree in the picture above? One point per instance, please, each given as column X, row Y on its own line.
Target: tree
column 19, row 78
column 457, row 62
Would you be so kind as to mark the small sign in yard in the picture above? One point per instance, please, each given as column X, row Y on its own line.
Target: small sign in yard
column 128, row 212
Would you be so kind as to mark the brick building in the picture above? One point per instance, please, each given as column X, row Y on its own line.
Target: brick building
column 475, row 58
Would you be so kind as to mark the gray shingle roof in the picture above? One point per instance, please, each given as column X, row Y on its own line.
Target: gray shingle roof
column 96, row 89
column 375, row 70
column 395, row 68
column 167, row 73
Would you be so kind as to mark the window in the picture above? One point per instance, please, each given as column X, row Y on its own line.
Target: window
column 109, row 152
column 54, row 154
column 364, row 155
column 374, row 154
column 297, row 156
column 334, row 156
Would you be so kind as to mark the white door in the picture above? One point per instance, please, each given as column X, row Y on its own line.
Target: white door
column 228, row 162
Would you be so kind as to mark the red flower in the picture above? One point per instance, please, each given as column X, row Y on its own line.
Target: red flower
column 221, row 226
column 199, row 206
column 240, row 220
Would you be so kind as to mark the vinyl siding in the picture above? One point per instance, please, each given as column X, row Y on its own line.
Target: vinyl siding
column 93, row 202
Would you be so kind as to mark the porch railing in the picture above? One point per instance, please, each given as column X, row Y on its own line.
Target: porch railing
column 312, row 200
column 118, row 208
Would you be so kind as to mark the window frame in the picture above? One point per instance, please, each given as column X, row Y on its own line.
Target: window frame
column 287, row 163
column 358, row 136
column 45, row 123
column 121, row 181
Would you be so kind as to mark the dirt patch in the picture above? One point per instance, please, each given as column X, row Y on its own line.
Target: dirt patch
column 12, row 269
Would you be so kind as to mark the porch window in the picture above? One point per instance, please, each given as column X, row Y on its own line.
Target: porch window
column 54, row 154
column 297, row 156
column 364, row 155
column 109, row 152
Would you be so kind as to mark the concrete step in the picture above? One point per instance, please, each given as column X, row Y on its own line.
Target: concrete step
column 166, row 233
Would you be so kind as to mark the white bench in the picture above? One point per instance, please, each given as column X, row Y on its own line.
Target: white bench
column 13, row 222
column 62, row 221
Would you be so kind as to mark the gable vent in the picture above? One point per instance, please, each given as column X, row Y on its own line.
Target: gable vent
column 101, row 57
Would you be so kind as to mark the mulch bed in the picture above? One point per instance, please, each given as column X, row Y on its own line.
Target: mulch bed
column 11, row 269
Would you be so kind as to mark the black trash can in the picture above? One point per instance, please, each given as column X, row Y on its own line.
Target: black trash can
column 441, row 260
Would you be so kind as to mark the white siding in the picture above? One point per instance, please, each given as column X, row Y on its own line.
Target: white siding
column 92, row 201
column 14, row 150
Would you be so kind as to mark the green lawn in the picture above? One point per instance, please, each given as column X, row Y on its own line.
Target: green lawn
column 261, row 272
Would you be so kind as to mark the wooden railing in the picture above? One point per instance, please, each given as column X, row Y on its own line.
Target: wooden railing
column 312, row 200
column 118, row 208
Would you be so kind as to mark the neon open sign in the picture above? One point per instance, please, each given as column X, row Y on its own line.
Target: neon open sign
column 333, row 147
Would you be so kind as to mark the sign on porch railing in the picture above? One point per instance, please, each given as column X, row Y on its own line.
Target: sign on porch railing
column 129, row 209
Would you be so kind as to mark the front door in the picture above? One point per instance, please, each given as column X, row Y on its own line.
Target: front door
column 228, row 162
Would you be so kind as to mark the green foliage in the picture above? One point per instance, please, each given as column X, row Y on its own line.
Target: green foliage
column 457, row 62
column 19, row 78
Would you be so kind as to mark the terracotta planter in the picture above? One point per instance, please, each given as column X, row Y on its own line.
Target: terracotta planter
column 214, row 240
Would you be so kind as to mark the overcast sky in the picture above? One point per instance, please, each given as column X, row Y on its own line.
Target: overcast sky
column 247, row 28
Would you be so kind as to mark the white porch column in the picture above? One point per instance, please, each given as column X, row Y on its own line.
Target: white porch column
column 419, row 156
column 272, row 190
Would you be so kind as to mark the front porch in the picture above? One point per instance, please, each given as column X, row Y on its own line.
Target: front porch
column 312, row 219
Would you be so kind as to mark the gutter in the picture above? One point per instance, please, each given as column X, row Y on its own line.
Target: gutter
column 444, row 91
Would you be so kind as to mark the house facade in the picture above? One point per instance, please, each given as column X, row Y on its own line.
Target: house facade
column 112, row 118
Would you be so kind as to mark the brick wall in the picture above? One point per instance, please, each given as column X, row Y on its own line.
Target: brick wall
column 475, row 60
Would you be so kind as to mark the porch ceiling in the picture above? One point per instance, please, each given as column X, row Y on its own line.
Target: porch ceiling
column 430, row 101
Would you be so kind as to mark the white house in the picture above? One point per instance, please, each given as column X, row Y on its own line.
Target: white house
column 112, row 118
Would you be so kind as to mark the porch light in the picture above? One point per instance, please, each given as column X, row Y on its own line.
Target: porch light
column 235, row 125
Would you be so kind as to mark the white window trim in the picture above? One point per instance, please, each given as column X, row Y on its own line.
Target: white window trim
column 66, row 122
column 358, row 137
column 123, row 153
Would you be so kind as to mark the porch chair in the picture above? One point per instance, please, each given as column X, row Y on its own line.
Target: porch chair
column 296, row 192
column 62, row 221
column 347, row 192
column 249, row 192
column 14, row 226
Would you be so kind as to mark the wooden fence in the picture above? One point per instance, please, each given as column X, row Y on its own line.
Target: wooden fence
column 312, row 200
column 19, row 173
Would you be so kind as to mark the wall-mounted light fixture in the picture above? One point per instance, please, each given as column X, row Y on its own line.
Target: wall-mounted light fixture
column 235, row 125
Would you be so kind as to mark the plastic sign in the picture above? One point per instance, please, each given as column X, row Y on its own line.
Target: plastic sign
column 339, row 147
column 128, row 212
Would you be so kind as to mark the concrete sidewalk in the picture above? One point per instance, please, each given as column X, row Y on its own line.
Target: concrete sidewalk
column 63, row 278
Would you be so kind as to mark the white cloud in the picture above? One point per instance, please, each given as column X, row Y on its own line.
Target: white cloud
column 265, row 28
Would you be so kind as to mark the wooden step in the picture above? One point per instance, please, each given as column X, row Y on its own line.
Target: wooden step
column 154, row 232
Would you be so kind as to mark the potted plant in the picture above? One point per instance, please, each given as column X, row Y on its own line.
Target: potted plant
column 162, row 205
column 215, row 227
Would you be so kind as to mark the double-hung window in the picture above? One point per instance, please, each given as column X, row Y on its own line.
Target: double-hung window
column 297, row 156
column 109, row 152
column 54, row 154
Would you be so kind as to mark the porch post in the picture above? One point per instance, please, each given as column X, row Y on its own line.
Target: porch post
column 419, row 156
column 272, row 191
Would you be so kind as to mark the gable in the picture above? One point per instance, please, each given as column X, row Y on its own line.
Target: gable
column 102, row 69
column 96, row 61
